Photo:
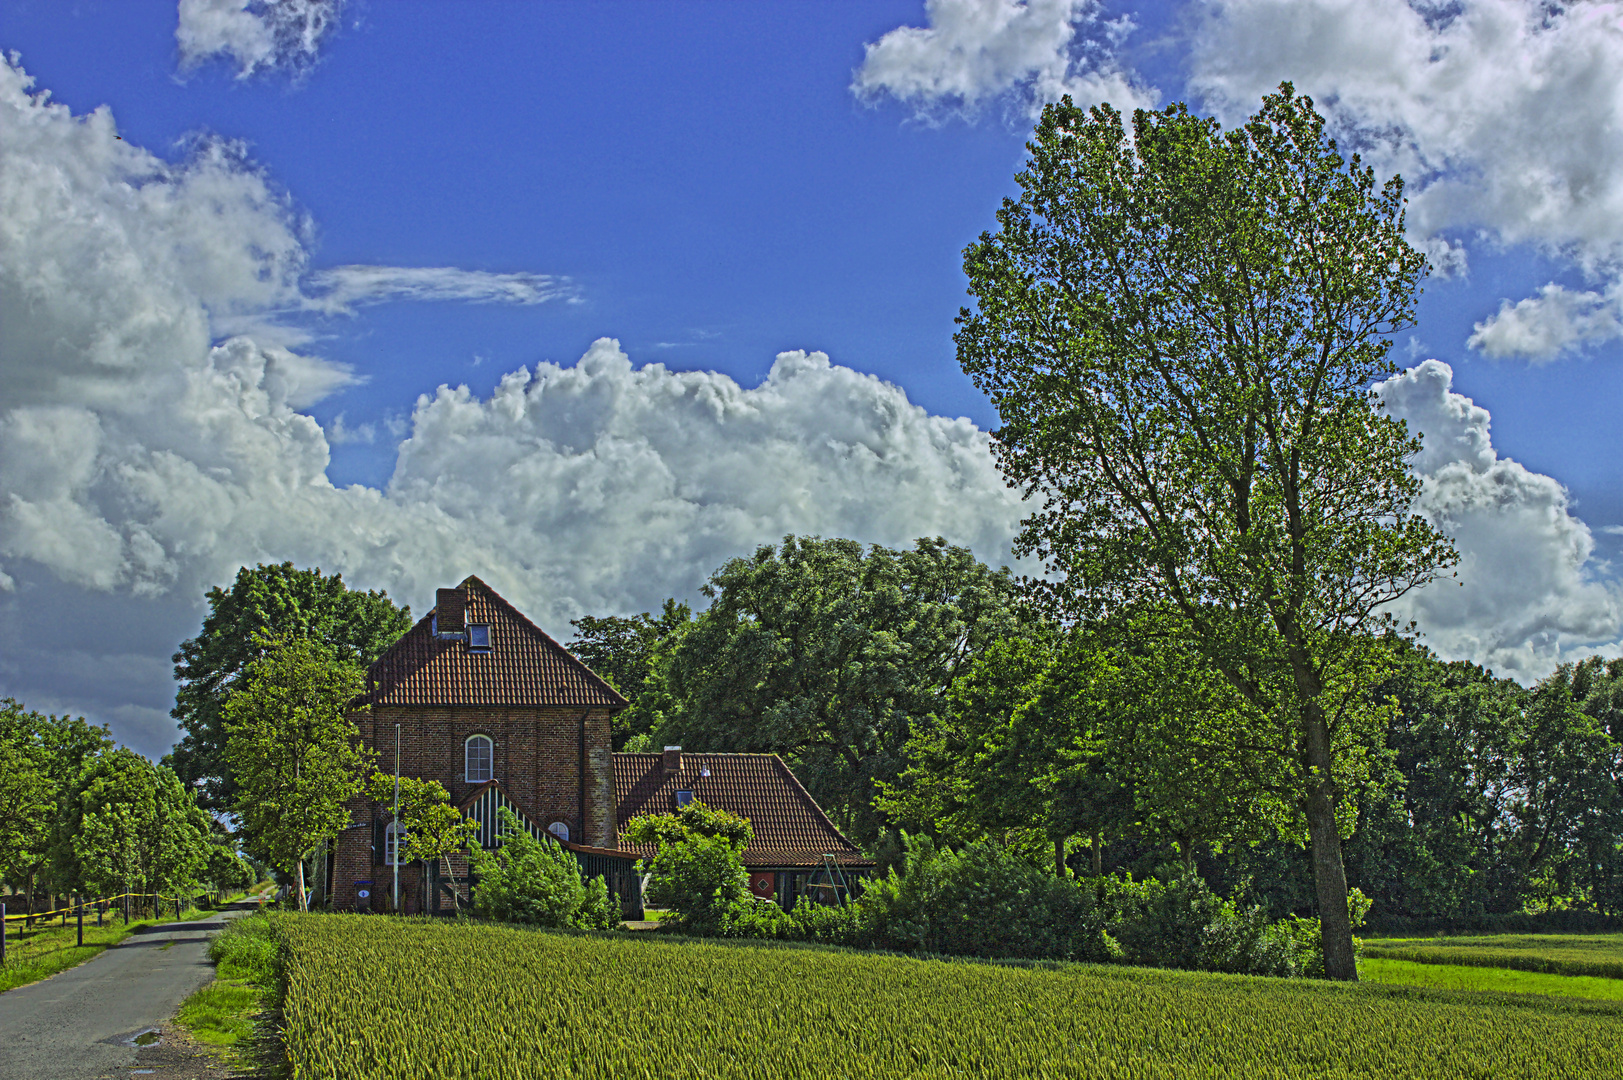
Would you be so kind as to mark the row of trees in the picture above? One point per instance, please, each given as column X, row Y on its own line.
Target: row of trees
column 82, row 816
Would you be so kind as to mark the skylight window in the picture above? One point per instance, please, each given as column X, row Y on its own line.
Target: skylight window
column 683, row 798
column 478, row 638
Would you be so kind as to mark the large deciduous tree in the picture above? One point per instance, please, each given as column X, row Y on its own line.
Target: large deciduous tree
column 262, row 604
column 823, row 651
column 1180, row 329
column 295, row 753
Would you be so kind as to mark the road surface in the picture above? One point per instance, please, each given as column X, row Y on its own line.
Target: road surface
column 82, row 1024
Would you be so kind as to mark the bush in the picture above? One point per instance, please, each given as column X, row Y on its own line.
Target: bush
column 702, row 879
column 1181, row 923
column 537, row 882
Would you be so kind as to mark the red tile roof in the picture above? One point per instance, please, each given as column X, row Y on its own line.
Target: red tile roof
column 790, row 828
column 523, row 666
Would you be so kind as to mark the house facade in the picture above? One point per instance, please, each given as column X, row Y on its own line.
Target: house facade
column 480, row 699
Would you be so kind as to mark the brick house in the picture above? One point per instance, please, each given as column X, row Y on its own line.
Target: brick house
column 501, row 714
column 485, row 702
column 796, row 851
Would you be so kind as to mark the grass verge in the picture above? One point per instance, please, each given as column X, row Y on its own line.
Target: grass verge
column 1598, row 955
column 367, row 997
column 32, row 955
column 1494, row 980
column 226, row 1014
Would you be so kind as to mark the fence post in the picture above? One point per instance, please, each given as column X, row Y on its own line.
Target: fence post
column 81, row 921
column 2, row 933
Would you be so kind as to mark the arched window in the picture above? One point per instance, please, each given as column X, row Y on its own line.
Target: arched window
column 560, row 829
column 477, row 758
column 393, row 837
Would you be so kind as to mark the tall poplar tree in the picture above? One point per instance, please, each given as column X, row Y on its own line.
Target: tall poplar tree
column 1180, row 330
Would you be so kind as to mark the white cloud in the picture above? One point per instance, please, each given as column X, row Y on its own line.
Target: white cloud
column 1557, row 321
column 255, row 34
column 972, row 51
column 142, row 458
column 343, row 287
column 1527, row 596
column 1501, row 114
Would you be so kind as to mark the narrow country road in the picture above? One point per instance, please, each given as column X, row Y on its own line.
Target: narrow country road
column 81, row 1024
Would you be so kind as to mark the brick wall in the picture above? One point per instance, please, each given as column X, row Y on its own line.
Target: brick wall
column 539, row 758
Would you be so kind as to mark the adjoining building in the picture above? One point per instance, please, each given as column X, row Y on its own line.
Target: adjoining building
column 479, row 698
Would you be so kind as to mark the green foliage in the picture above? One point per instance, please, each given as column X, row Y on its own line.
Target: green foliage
column 434, row 828
column 227, row 871
column 267, row 603
column 294, row 752
column 537, row 881
column 630, row 653
column 824, row 652
column 369, row 998
column 701, row 878
column 694, row 819
column 1179, row 331
column 134, row 828
column 27, row 796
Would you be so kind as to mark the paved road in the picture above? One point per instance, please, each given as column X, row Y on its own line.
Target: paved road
column 81, row 1024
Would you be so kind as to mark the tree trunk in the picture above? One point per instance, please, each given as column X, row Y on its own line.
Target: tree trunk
column 1329, row 875
column 1059, row 857
column 456, row 900
column 1098, row 850
column 302, row 906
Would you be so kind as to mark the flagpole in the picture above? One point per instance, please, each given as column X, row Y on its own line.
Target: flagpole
column 394, row 826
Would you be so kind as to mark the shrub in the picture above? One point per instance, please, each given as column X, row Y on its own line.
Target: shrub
column 247, row 949
column 701, row 878
column 536, row 881
column 1179, row 922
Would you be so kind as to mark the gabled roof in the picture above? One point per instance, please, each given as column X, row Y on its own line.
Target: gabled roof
column 522, row 667
column 790, row 828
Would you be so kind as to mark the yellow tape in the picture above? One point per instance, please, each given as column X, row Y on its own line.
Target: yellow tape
column 88, row 903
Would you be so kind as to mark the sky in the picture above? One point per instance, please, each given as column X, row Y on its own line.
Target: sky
column 587, row 298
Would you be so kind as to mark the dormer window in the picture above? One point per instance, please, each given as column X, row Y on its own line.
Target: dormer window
column 478, row 638
column 477, row 756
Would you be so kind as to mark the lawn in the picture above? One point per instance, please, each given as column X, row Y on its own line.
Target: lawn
column 50, row 947
column 1597, row 955
column 368, row 996
column 1492, row 979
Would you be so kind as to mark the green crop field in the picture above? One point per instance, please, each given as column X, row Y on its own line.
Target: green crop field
column 1598, row 955
column 376, row 997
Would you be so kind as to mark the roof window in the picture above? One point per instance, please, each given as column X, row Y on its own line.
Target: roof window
column 683, row 798
column 478, row 638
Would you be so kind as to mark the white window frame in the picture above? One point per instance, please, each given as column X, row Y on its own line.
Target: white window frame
column 559, row 830
column 393, row 835
column 490, row 759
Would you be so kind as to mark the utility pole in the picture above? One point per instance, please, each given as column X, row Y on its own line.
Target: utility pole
column 393, row 846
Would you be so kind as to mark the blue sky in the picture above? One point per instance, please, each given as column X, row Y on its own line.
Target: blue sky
column 711, row 185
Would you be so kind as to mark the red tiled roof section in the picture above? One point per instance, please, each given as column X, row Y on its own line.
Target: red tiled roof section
column 790, row 828
column 523, row 666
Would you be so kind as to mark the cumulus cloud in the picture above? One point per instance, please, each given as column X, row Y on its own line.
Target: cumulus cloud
column 1526, row 596
column 972, row 51
column 343, row 287
column 256, row 35
column 153, row 435
column 1556, row 322
column 1500, row 113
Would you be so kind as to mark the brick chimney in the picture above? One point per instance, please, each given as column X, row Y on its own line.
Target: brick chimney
column 448, row 612
column 673, row 760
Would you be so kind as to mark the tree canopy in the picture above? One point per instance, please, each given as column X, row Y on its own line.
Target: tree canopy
column 294, row 751
column 269, row 602
column 1180, row 331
